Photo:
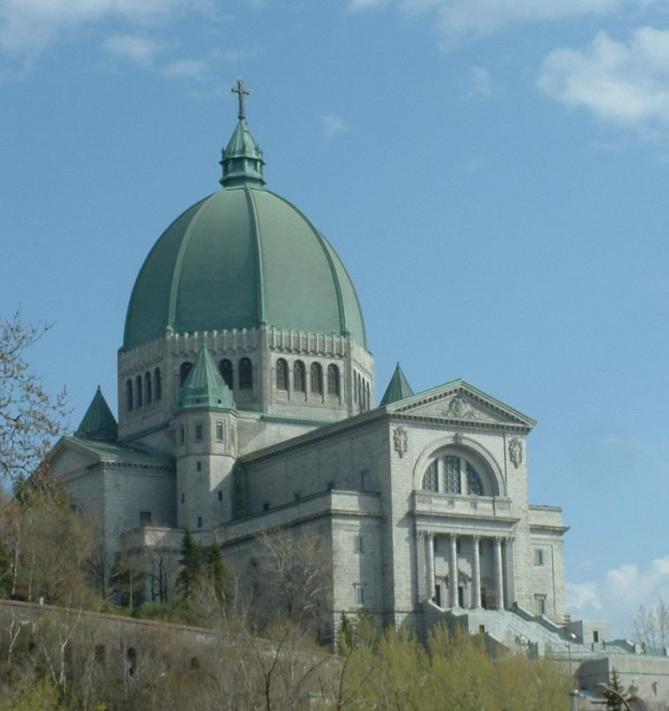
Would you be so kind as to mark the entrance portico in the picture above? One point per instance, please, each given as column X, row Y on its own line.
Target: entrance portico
column 454, row 574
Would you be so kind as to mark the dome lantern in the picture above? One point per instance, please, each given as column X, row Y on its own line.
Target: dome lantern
column 242, row 159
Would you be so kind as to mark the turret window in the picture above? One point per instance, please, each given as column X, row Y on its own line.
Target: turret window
column 299, row 377
column 148, row 390
column 220, row 432
column 245, row 374
column 184, row 371
column 333, row 380
column 199, row 432
column 281, row 374
column 316, row 378
column 138, row 389
column 157, row 385
column 129, row 400
column 225, row 369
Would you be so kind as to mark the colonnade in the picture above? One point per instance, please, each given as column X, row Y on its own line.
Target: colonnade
column 500, row 573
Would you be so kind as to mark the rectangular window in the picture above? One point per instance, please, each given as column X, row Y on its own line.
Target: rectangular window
column 183, row 497
column 595, row 636
column 198, row 466
column 145, row 518
column 481, row 549
column 182, row 434
column 199, row 521
column 265, row 506
column 538, row 556
column 359, row 593
column 358, row 546
column 220, row 496
column 199, row 432
column 220, row 432
column 364, row 480
column 540, row 601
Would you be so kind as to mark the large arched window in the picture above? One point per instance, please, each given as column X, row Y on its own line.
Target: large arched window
column 225, row 369
column 316, row 378
column 299, row 377
column 455, row 473
column 148, row 390
column 138, row 391
column 157, row 385
column 245, row 374
column 184, row 370
column 281, row 374
column 333, row 379
column 129, row 400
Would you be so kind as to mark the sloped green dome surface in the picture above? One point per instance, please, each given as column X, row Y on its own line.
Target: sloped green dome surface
column 240, row 257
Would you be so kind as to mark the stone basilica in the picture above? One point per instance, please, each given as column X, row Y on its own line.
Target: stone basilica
column 246, row 405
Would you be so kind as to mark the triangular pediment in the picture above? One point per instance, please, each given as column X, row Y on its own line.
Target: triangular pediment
column 459, row 402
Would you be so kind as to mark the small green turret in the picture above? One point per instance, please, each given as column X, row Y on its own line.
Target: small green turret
column 204, row 386
column 99, row 423
column 398, row 388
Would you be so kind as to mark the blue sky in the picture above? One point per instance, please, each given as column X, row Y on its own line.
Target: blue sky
column 493, row 173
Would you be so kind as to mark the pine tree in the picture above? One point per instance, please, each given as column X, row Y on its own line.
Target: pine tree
column 191, row 565
column 216, row 571
column 613, row 701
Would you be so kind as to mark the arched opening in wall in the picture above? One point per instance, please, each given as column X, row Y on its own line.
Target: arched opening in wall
column 157, row 385
column 131, row 661
column 225, row 369
column 316, row 378
column 129, row 399
column 184, row 371
column 148, row 390
column 333, row 380
column 245, row 374
column 460, row 471
column 281, row 374
column 299, row 377
column 139, row 400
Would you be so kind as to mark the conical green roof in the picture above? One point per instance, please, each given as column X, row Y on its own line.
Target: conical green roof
column 398, row 388
column 205, row 387
column 99, row 423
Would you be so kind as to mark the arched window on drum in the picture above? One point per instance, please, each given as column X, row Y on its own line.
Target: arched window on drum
column 281, row 374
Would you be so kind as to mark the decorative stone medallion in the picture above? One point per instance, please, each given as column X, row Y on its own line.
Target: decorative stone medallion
column 516, row 452
column 400, row 441
column 459, row 409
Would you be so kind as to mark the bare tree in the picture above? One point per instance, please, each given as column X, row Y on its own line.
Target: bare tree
column 30, row 418
column 651, row 624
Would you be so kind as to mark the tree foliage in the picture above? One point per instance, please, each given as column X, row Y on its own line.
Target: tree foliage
column 30, row 418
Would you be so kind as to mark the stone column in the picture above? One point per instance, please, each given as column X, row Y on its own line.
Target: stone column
column 453, row 571
column 476, row 575
column 499, row 575
column 429, row 564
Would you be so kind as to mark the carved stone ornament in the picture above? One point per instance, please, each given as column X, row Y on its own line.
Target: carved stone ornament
column 459, row 409
column 400, row 441
column 516, row 452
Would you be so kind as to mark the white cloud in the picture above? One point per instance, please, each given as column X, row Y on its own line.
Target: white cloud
column 333, row 124
column 481, row 84
column 186, row 68
column 136, row 48
column 625, row 83
column 616, row 598
column 458, row 19
column 27, row 27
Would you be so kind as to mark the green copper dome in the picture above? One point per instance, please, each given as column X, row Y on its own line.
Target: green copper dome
column 240, row 257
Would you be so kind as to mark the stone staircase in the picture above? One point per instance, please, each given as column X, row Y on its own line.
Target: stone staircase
column 514, row 629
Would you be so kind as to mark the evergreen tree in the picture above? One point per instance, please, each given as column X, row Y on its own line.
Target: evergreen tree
column 191, row 565
column 216, row 572
column 613, row 697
